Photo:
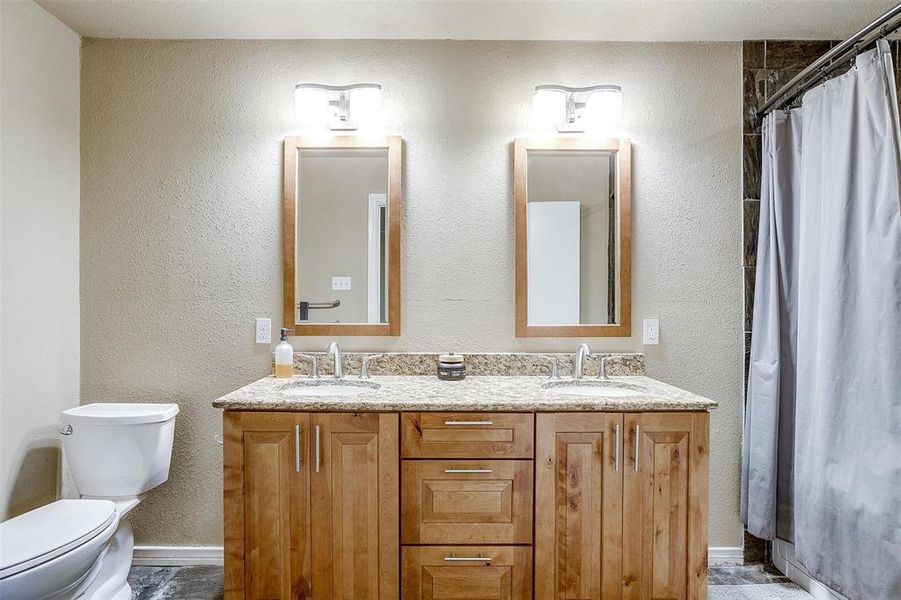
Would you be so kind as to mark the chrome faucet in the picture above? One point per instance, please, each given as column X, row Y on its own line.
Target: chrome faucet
column 334, row 350
column 581, row 354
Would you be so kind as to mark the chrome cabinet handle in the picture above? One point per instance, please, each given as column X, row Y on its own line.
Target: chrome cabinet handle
column 637, row 445
column 617, row 441
column 467, row 558
column 297, row 448
column 318, row 460
column 468, row 471
column 469, row 422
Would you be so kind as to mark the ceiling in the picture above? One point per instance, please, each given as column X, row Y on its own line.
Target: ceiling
column 613, row 20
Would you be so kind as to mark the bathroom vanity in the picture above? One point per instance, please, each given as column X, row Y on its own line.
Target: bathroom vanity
column 507, row 487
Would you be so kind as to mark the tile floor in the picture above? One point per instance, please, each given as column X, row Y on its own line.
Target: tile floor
column 727, row 582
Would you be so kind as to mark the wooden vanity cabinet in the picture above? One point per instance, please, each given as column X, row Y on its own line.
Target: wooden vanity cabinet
column 310, row 505
column 621, row 506
column 611, row 506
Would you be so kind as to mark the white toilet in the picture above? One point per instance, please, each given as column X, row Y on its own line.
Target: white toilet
column 82, row 548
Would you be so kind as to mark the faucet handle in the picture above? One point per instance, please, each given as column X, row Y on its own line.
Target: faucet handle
column 602, row 370
column 314, row 374
column 555, row 374
column 364, row 368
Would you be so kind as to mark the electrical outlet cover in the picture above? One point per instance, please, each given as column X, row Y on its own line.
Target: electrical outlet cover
column 340, row 284
column 651, row 332
column 264, row 331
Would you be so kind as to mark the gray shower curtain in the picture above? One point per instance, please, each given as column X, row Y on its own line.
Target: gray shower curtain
column 822, row 439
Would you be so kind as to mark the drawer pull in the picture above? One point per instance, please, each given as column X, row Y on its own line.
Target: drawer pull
column 468, row 471
column 467, row 423
column 467, row 558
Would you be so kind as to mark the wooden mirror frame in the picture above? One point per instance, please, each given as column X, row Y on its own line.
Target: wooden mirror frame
column 623, row 150
column 394, row 146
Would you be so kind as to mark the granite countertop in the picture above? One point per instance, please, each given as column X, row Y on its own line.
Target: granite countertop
column 475, row 393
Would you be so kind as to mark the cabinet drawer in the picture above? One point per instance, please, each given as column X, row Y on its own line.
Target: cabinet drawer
column 446, row 572
column 467, row 435
column 466, row 502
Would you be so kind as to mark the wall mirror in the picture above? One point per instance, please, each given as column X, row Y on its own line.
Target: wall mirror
column 341, row 227
column 572, row 201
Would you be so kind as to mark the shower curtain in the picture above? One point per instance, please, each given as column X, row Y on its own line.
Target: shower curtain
column 822, row 438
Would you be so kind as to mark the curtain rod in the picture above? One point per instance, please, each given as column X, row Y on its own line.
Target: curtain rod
column 832, row 60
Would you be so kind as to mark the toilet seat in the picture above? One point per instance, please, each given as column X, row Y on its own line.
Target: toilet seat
column 50, row 531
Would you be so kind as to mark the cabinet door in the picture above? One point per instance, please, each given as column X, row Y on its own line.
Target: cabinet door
column 266, row 516
column 467, row 572
column 578, row 506
column 665, row 499
column 355, row 506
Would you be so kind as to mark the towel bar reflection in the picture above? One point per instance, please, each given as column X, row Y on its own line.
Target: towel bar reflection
column 304, row 308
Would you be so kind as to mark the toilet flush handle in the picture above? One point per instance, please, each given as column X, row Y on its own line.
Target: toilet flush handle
column 67, row 430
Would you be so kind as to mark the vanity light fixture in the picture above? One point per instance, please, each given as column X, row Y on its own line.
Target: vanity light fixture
column 317, row 106
column 575, row 109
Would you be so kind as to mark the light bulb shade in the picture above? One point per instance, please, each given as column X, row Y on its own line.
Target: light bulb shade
column 575, row 109
column 548, row 108
column 366, row 107
column 311, row 107
column 604, row 109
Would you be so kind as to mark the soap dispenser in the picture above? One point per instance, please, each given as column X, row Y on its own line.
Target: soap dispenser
column 284, row 357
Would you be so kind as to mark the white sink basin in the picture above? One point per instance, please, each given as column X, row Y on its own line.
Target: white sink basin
column 595, row 389
column 329, row 387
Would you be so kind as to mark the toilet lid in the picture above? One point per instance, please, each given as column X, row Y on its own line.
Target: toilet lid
column 51, row 530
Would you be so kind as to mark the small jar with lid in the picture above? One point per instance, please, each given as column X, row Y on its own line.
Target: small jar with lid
column 451, row 367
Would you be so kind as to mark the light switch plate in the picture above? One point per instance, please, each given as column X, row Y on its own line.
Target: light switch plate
column 264, row 331
column 651, row 332
column 340, row 283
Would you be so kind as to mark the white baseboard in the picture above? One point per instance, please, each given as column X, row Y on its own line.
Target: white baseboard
column 725, row 555
column 177, row 556
column 784, row 560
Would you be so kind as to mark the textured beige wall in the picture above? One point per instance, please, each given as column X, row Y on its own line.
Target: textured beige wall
column 181, row 243
column 39, row 364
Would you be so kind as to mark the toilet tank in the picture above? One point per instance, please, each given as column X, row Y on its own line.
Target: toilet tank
column 118, row 450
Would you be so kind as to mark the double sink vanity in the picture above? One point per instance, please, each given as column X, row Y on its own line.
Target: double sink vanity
column 509, row 484
column 568, row 477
